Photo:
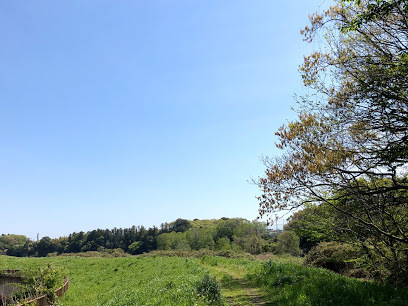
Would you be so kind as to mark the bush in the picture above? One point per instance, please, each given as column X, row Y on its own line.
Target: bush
column 118, row 252
column 43, row 281
column 209, row 289
column 288, row 243
column 335, row 256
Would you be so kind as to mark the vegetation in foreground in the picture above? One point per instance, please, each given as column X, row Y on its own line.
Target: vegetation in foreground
column 127, row 281
column 159, row 280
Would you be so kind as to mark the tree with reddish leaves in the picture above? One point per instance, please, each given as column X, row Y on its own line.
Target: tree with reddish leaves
column 349, row 146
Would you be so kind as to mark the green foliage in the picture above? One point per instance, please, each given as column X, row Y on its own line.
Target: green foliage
column 9, row 244
column 8, row 240
column 180, row 225
column 373, row 9
column 225, row 234
column 313, row 224
column 334, row 256
column 223, row 244
column 209, row 224
column 382, row 238
column 45, row 246
column 289, row 284
column 155, row 280
column 118, row 252
column 123, row 281
column 133, row 248
column 251, row 243
column 41, row 281
column 348, row 149
column 199, row 254
column 172, row 241
column 179, row 235
column 288, row 242
column 200, row 238
column 225, row 229
column 209, row 288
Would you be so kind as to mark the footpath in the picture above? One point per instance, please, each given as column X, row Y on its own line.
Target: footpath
column 235, row 288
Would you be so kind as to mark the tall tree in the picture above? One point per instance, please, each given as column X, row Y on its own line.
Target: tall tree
column 349, row 147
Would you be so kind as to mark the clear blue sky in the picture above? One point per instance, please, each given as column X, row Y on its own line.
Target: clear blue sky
column 121, row 113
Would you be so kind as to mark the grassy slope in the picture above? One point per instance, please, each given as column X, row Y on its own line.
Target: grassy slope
column 170, row 281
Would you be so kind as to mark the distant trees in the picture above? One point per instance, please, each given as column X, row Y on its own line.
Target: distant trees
column 200, row 238
column 288, row 243
column 240, row 235
column 180, row 225
column 45, row 246
column 11, row 241
column 173, row 241
column 228, row 234
column 134, row 247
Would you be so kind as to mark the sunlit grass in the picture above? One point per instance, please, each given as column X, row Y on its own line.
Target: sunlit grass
column 123, row 281
column 171, row 281
column 291, row 284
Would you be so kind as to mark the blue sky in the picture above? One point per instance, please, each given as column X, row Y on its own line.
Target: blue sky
column 121, row 113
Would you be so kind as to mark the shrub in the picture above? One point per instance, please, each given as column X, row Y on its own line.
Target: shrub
column 118, row 252
column 209, row 288
column 334, row 256
column 44, row 280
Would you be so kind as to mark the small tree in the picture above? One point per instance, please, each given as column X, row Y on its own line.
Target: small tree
column 288, row 243
column 134, row 247
column 223, row 244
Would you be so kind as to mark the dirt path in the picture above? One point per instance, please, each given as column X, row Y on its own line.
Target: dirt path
column 236, row 289
column 253, row 296
column 264, row 257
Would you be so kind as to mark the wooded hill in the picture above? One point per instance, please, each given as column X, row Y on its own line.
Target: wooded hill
column 235, row 234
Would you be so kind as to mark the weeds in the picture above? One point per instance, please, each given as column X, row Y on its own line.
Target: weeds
column 288, row 284
column 209, row 288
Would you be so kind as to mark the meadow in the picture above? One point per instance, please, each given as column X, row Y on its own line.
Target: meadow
column 123, row 281
column 159, row 280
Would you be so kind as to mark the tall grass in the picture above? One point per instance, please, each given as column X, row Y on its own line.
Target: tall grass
column 181, row 281
column 124, row 281
column 290, row 284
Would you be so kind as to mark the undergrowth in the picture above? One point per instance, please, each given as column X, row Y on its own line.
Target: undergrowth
column 288, row 284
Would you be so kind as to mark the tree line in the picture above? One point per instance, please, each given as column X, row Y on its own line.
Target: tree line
column 234, row 234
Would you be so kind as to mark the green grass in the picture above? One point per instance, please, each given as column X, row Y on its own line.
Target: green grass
column 123, row 281
column 173, row 281
column 231, row 274
column 291, row 284
column 282, row 281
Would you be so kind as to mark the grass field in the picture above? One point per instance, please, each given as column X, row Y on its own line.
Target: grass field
column 173, row 281
column 123, row 281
